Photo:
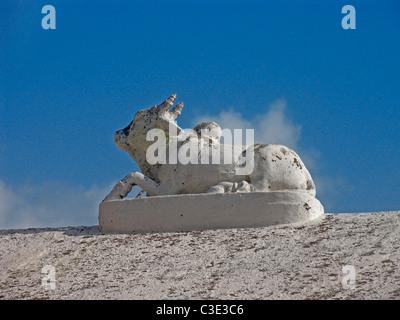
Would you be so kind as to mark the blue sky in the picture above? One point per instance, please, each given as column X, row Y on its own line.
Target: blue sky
column 332, row 94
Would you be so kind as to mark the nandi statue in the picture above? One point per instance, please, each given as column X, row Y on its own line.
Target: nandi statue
column 193, row 181
column 253, row 168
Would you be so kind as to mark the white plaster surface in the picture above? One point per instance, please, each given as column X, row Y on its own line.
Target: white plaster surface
column 207, row 211
column 276, row 262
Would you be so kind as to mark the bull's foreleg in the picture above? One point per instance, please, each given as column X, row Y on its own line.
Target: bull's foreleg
column 124, row 186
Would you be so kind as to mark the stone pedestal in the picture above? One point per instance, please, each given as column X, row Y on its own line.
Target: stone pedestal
column 207, row 211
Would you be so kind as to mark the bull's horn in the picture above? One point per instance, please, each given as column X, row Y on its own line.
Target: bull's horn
column 176, row 111
column 167, row 103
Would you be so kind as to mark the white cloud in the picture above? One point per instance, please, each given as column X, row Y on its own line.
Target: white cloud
column 275, row 127
column 272, row 127
column 50, row 204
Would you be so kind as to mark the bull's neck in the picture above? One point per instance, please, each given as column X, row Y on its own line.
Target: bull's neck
column 140, row 158
column 145, row 167
column 139, row 153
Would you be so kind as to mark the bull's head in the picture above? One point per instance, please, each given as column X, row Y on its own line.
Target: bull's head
column 133, row 137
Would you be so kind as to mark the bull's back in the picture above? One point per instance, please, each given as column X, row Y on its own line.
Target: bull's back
column 201, row 176
column 278, row 167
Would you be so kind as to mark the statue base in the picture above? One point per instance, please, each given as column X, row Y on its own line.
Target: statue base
column 206, row 211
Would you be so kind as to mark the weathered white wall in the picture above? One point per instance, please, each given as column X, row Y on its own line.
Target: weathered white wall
column 275, row 262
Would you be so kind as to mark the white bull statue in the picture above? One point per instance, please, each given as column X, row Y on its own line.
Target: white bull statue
column 254, row 168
